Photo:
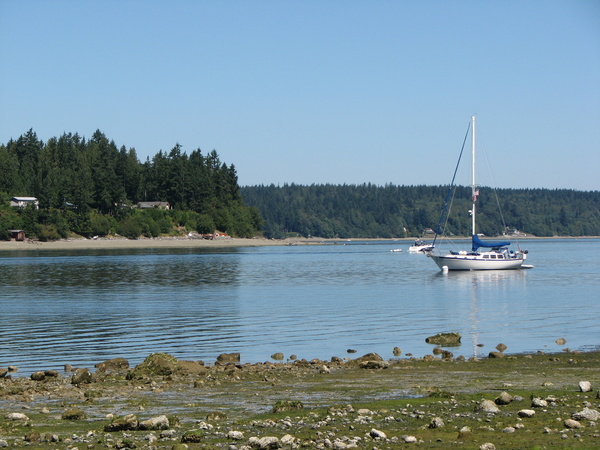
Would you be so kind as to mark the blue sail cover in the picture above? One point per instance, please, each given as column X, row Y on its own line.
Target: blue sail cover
column 479, row 243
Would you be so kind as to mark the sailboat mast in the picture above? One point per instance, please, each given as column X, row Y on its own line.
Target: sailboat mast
column 473, row 187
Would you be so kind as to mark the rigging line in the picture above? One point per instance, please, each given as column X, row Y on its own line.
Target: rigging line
column 494, row 184
column 451, row 188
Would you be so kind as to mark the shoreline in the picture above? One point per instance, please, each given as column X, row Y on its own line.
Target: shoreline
column 115, row 243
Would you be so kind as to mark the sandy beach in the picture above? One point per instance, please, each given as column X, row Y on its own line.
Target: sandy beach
column 163, row 242
column 169, row 242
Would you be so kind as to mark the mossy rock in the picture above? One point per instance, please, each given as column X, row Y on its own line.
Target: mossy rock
column 163, row 364
column 287, row 405
column 125, row 423
column 447, row 339
column 216, row 416
column 193, row 436
column 74, row 414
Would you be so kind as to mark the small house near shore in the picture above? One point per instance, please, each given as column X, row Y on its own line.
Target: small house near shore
column 22, row 202
column 17, row 235
column 154, row 205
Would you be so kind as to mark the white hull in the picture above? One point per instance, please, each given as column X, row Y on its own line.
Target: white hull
column 471, row 262
column 418, row 248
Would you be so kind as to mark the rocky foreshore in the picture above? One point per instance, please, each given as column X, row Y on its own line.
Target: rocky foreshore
column 507, row 401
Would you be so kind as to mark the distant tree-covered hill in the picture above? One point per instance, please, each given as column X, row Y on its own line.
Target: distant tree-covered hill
column 371, row 211
column 91, row 187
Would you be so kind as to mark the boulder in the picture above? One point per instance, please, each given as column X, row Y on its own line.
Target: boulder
column 229, row 357
column 155, row 423
column 277, row 356
column 496, row 355
column 436, row 422
column 585, row 386
column 82, row 376
column 504, row 398
column 377, row 434
column 487, row 406
column 38, row 376
column 3, row 372
column 501, row 347
column 74, row 414
column 444, row 339
column 526, row 413
column 586, row 413
column 571, row 423
column 124, row 423
column 561, row 341
column 538, row 402
column 397, row 351
column 112, row 364
column 16, row 416
column 235, row 435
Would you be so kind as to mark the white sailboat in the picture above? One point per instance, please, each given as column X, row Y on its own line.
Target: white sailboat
column 498, row 257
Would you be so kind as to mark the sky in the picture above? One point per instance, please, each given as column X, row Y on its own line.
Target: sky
column 327, row 91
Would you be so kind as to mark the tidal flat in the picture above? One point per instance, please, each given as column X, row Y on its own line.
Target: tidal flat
column 509, row 401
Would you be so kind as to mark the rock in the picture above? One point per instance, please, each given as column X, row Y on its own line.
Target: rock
column 538, row 402
column 487, row 446
column 465, row 433
column 350, row 350
column 155, row 423
column 3, row 372
column 436, row 422
column 13, row 369
column 501, row 347
column 82, row 376
column 496, row 355
column 34, row 436
column 508, row 430
column 277, row 356
column 367, row 357
column 374, row 365
column 38, row 376
column 288, row 439
column 526, row 413
column 216, row 416
column 3, row 443
column 586, row 413
column 487, row 406
column 561, row 341
column 128, row 422
column 397, row 351
column 287, row 405
column 16, row 416
column 571, row 423
column 444, row 339
column 585, row 386
column 266, row 442
column 437, row 351
column 74, row 414
column 377, row 434
column 229, row 357
column 235, row 435
column 51, row 373
column 409, row 439
column 447, row 354
column 112, row 364
column 504, row 399
column 324, row 369
column 192, row 436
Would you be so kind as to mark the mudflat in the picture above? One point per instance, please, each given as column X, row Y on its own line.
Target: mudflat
column 502, row 401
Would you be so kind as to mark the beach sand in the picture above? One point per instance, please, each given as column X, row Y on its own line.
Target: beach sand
column 162, row 242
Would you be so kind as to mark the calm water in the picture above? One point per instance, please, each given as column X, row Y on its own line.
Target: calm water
column 82, row 308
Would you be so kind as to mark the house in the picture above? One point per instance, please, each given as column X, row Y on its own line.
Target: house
column 157, row 205
column 22, row 202
column 17, row 235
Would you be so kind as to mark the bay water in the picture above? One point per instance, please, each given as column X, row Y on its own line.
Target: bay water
column 312, row 301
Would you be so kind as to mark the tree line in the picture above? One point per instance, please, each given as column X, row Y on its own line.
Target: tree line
column 92, row 187
column 390, row 211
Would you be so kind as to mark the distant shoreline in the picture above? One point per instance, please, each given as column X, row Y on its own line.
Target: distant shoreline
column 196, row 242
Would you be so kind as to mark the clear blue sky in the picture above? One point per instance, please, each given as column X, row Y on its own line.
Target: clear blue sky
column 316, row 91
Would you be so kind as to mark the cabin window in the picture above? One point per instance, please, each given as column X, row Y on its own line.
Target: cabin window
column 493, row 256
column 486, row 256
column 500, row 256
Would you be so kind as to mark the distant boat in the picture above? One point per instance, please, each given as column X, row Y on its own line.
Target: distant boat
column 499, row 257
column 419, row 246
column 396, row 250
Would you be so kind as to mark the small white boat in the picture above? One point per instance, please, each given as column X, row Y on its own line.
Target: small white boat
column 419, row 246
column 499, row 257
column 396, row 250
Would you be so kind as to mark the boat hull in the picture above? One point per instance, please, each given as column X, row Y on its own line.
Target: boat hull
column 467, row 262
